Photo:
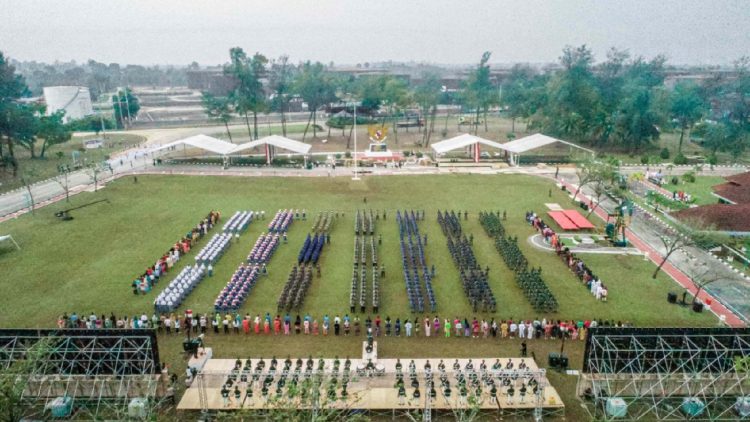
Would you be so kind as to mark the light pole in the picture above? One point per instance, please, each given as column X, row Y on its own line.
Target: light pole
column 356, row 173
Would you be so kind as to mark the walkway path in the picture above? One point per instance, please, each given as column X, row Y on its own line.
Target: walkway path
column 537, row 241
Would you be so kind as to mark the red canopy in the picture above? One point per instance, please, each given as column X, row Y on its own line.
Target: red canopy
column 578, row 219
column 562, row 220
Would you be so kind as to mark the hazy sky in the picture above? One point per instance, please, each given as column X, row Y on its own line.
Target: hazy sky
column 437, row 31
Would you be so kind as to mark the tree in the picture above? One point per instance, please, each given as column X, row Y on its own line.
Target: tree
column 427, row 96
column 14, row 380
column 516, row 92
column 479, row 92
column 395, row 97
column 317, row 88
column 280, row 81
column 126, row 107
column 63, row 180
column 702, row 276
column 249, row 95
column 93, row 171
column 687, row 107
column 573, row 98
column 591, row 171
column 12, row 87
column 27, row 179
column 52, row 130
column 218, row 109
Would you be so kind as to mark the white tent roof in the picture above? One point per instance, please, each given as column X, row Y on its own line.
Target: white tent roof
column 534, row 141
column 204, row 142
column 277, row 141
column 462, row 141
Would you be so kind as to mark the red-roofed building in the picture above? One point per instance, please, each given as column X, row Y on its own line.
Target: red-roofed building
column 731, row 214
column 736, row 190
column 723, row 217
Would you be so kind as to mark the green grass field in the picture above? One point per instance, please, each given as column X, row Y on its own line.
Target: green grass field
column 87, row 264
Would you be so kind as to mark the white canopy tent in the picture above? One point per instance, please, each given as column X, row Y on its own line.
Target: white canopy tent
column 204, row 142
column 8, row 237
column 224, row 148
column 527, row 143
column 275, row 141
column 464, row 141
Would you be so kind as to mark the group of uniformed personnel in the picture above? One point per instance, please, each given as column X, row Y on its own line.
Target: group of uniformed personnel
column 473, row 278
column 530, row 280
column 413, row 260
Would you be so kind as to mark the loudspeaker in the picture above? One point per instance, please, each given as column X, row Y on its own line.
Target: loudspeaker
column 563, row 361
column 672, row 297
column 553, row 360
column 698, row 307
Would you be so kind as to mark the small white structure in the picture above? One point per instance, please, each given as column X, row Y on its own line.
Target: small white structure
column 8, row 237
column 74, row 100
column 465, row 141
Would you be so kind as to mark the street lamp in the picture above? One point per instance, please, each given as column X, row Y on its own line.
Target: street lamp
column 349, row 98
column 356, row 168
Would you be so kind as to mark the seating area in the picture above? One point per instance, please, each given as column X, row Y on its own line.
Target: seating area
column 239, row 222
column 529, row 280
column 413, row 260
column 570, row 220
column 214, row 249
column 178, row 289
column 145, row 282
column 473, row 278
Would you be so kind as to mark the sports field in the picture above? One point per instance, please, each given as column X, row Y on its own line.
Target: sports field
column 88, row 264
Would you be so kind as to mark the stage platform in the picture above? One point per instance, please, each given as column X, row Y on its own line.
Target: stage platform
column 374, row 390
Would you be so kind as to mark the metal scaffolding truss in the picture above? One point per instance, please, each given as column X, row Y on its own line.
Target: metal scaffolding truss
column 102, row 371
column 655, row 370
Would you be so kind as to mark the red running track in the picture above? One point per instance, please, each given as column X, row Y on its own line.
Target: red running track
column 681, row 278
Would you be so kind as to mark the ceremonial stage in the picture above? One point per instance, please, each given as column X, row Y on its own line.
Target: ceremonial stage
column 371, row 386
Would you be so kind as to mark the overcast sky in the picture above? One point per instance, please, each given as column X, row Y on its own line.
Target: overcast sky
column 436, row 31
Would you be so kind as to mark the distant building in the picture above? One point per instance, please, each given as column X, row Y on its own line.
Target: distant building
column 74, row 100
column 212, row 81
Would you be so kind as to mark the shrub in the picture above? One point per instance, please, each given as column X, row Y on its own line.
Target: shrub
column 645, row 159
column 664, row 154
column 689, row 177
column 680, row 159
column 712, row 159
column 348, row 154
column 674, row 180
column 338, row 156
column 59, row 155
column 419, row 154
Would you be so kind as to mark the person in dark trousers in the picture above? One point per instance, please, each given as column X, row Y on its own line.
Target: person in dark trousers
column 523, row 349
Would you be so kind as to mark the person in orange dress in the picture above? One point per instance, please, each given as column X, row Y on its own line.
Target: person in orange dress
column 276, row 325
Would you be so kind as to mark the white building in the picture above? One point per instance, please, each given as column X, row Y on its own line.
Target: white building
column 74, row 100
